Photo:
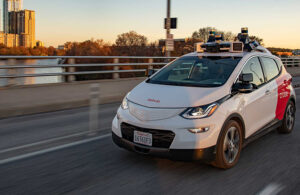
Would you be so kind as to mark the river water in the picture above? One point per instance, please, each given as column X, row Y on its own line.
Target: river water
column 31, row 80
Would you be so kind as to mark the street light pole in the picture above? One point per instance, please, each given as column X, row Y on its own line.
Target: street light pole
column 168, row 53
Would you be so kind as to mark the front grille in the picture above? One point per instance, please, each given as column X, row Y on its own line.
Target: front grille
column 160, row 138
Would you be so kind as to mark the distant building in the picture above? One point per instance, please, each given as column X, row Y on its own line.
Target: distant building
column 62, row 47
column 10, row 40
column 23, row 23
column 9, row 6
column 162, row 42
column 39, row 43
column 296, row 52
column 17, row 26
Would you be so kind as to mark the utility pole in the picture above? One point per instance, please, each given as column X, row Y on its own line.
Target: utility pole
column 168, row 53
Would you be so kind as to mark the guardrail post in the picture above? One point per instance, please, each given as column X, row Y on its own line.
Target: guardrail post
column 94, row 103
column 150, row 61
column 295, row 62
column 71, row 78
column 11, row 71
column 116, row 75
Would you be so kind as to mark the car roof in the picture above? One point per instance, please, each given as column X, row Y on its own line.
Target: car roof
column 229, row 54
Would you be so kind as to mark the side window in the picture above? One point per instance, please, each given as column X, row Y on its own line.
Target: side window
column 253, row 66
column 270, row 68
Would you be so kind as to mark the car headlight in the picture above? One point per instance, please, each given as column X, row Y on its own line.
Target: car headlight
column 200, row 112
column 124, row 104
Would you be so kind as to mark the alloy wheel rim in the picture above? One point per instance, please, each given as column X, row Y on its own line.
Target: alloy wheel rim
column 290, row 117
column 231, row 145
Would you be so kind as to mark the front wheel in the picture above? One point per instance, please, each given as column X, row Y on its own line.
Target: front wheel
column 289, row 118
column 229, row 146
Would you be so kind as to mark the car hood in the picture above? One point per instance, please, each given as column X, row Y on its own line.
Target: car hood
column 168, row 96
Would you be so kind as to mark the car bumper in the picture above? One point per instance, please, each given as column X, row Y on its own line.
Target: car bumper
column 179, row 126
column 205, row 155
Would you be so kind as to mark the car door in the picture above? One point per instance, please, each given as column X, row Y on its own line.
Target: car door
column 254, row 103
column 271, row 72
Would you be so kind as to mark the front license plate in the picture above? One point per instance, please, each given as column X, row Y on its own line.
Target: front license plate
column 142, row 138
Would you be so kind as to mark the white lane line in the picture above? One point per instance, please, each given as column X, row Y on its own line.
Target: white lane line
column 53, row 149
column 271, row 189
column 45, row 142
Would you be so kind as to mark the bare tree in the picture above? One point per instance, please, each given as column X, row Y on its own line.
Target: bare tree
column 203, row 34
column 258, row 39
column 131, row 39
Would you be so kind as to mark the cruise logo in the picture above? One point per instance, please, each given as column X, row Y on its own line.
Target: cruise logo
column 153, row 100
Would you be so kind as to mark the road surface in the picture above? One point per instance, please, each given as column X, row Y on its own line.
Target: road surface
column 269, row 165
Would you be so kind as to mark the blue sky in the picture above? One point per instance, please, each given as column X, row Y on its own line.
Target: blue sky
column 58, row 21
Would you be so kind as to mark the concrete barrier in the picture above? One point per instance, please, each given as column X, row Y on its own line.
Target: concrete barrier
column 22, row 100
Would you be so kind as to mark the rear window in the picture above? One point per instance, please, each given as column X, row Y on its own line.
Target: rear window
column 270, row 68
column 279, row 64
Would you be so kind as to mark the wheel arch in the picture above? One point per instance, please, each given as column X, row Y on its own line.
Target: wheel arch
column 293, row 99
column 238, row 118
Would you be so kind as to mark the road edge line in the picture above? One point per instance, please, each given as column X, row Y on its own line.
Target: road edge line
column 53, row 149
column 2, row 151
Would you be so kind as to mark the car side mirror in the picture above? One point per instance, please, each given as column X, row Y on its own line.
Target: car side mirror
column 150, row 72
column 242, row 87
column 245, row 85
column 246, row 78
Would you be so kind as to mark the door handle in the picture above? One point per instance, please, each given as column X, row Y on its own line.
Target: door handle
column 268, row 92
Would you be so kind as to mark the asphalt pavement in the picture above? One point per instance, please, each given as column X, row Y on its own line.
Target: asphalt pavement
column 269, row 165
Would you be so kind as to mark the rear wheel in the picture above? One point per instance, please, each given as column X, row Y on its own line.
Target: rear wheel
column 289, row 118
column 229, row 146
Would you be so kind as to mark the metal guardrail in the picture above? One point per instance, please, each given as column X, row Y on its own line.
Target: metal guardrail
column 69, row 69
column 291, row 62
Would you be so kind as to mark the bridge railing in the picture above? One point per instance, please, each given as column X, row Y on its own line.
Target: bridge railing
column 291, row 62
column 9, row 72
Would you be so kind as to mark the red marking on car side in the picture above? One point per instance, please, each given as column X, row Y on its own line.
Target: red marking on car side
column 153, row 100
column 284, row 93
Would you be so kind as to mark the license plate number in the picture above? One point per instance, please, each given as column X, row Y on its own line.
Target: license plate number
column 143, row 138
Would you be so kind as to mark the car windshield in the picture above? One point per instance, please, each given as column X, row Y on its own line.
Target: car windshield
column 197, row 71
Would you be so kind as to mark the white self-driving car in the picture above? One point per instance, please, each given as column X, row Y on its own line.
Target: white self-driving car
column 207, row 105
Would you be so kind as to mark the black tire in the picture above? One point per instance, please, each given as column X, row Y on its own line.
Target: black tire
column 288, row 121
column 229, row 147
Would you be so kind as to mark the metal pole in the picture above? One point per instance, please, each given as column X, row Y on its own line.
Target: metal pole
column 168, row 53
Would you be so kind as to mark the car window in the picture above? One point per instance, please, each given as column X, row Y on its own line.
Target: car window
column 253, row 66
column 197, row 71
column 270, row 68
column 279, row 64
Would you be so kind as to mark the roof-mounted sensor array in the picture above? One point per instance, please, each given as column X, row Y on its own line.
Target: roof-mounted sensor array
column 216, row 43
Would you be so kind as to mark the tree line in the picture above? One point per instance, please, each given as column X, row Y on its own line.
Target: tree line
column 126, row 44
